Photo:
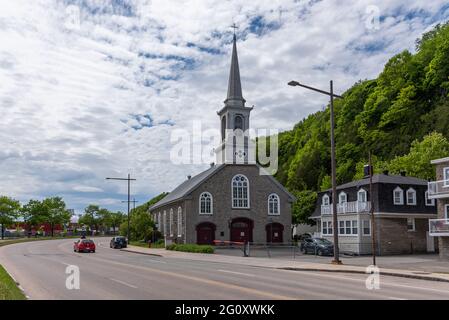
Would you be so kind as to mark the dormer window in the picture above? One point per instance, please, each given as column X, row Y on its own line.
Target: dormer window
column 342, row 197
column 325, row 200
column 411, row 197
column 361, row 195
column 398, row 196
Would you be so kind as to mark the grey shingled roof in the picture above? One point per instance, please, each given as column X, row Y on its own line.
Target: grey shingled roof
column 184, row 188
column 383, row 178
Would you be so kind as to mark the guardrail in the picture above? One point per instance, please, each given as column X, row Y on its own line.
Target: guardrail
column 438, row 189
column 439, row 227
column 347, row 207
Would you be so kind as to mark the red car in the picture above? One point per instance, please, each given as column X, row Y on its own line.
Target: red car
column 84, row 245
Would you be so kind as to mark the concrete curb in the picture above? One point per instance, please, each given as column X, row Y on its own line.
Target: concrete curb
column 382, row 273
column 144, row 253
column 17, row 284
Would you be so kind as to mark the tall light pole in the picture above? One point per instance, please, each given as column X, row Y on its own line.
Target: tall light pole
column 333, row 163
column 129, row 196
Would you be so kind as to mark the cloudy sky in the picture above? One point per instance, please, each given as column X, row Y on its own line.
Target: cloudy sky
column 95, row 88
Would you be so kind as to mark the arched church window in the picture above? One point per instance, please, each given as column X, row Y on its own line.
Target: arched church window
column 238, row 122
column 223, row 128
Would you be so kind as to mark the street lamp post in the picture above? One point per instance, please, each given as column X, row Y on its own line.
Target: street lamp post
column 333, row 162
column 129, row 196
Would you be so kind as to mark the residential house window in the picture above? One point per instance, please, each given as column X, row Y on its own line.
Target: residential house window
column 361, row 195
column 348, row 227
column 206, row 203
column 325, row 200
column 398, row 196
column 429, row 202
column 165, row 222
column 342, row 197
column 355, row 229
column 179, row 222
column 410, row 224
column 341, row 229
column 327, row 228
column 171, row 222
column 240, row 191
column 273, row 204
column 446, row 211
column 411, row 197
column 366, row 228
column 446, row 177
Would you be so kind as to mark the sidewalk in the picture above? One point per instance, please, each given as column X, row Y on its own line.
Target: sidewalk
column 287, row 264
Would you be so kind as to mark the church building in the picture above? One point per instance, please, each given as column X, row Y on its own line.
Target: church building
column 232, row 200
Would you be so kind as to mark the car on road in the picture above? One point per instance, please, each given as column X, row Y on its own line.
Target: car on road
column 118, row 242
column 319, row 246
column 84, row 245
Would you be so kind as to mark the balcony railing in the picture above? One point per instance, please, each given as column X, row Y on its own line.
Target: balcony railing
column 347, row 207
column 439, row 227
column 438, row 189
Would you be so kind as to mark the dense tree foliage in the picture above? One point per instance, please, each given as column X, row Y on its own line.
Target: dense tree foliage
column 9, row 211
column 402, row 117
column 141, row 225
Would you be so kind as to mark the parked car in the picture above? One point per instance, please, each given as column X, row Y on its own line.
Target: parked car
column 84, row 245
column 319, row 246
column 118, row 242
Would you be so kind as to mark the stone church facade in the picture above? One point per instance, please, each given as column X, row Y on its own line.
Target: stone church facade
column 232, row 200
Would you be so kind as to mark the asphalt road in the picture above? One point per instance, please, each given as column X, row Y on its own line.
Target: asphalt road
column 40, row 268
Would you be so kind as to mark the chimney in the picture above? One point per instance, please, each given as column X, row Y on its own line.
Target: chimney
column 403, row 173
column 188, row 177
column 385, row 172
column 366, row 170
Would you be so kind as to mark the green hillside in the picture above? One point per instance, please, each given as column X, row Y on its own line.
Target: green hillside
column 402, row 117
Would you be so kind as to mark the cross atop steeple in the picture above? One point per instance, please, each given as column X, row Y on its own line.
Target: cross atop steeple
column 234, row 26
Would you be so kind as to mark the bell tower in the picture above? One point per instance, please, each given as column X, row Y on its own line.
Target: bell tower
column 236, row 146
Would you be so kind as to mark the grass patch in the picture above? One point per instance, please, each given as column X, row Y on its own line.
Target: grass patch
column 196, row 248
column 157, row 245
column 8, row 288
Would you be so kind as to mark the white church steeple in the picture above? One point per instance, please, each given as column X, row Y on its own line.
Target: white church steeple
column 236, row 146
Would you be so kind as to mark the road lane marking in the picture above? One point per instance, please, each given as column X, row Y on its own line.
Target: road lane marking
column 383, row 282
column 123, row 282
column 234, row 272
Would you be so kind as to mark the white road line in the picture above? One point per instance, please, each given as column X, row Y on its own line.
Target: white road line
column 157, row 261
column 124, row 283
column 233, row 272
column 382, row 283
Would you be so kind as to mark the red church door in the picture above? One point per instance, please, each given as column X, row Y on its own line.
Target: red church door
column 242, row 230
column 205, row 233
column 274, row 232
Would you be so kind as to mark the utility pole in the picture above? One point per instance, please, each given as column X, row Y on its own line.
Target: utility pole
column 373, row 225
column 129, row 196
column 333, row 163
column 133, row 202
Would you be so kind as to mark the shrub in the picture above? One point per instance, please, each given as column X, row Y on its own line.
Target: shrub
column 190, row 248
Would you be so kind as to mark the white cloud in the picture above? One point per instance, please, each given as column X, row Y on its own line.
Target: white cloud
column 68, row 95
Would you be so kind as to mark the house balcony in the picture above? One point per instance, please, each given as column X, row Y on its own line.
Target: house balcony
column 438, row 189
column 348, row 207
column 439, row 227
